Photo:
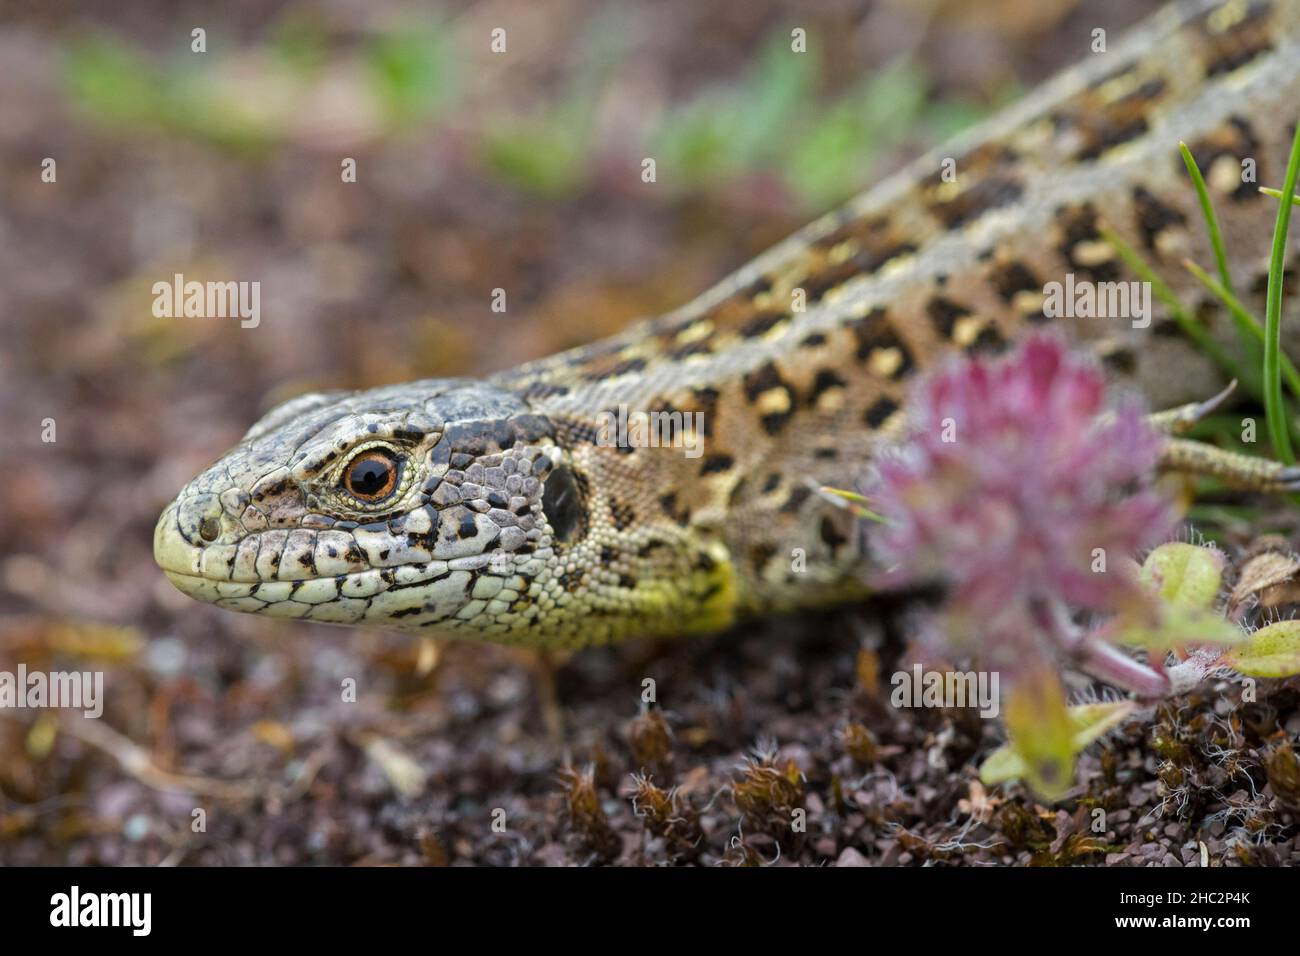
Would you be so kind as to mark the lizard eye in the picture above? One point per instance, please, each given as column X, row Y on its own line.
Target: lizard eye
column 371, row 476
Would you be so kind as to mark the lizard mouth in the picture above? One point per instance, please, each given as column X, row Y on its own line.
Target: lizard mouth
column 318, row 598
column 415, row 594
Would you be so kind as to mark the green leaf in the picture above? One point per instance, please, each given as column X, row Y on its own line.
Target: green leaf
column 1185, row 575
column 1042, row 735
column 1179, row 627
column 1092, row 721
column 1272, row 651
column 825, row 159
column 822, row 162
column 1002, row 765
column 1089, row 722
column 1187, row 579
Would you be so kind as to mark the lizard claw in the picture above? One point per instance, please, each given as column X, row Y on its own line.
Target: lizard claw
column 1212, row 403
column 1176, row 421
column 1287, row 479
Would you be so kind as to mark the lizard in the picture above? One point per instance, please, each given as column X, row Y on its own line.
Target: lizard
column 499, row 509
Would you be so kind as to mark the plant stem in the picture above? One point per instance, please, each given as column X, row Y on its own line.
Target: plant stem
column 1274, row 409
column 1106, row 662
column 1094, row 655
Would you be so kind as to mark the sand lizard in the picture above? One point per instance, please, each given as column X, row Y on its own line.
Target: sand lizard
column 493, row 509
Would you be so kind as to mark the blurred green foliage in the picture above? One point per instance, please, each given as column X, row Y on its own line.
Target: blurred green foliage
column 545, row 155
column 774, row 122
column 248, row 104
column 412, row 73
column 550, row 152
column 822, row 149
column 301, row 42
column 118, row 87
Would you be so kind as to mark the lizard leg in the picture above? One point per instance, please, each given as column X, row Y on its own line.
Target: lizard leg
column 543, row 665
column 1246, row 472
column 1176, row 421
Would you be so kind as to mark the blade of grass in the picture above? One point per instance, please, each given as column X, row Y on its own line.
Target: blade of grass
column 1277, row 194
column 1274, row 409
column 1246, row 322
column 1211, row 221
column 1249, row 379
column 853, row 501
column 1191, row 328
column 1251, row 335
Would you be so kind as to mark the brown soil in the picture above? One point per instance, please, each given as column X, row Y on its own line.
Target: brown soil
column 244, row 719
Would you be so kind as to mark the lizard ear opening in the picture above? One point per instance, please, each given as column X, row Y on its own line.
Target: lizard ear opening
column 562, row 503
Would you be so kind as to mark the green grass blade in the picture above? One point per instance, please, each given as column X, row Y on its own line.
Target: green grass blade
column 1274, row 409
column 1191, row 328
column 1277, row 194
column 1246, row 322
column 1207, row 209
column 854, row 502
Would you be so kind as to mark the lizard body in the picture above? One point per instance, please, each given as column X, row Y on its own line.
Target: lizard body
column 500, row 509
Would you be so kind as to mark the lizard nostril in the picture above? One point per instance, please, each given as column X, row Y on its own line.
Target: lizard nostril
column 198, row 518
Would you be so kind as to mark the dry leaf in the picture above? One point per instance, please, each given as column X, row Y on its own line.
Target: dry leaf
column 1271, row 578
column 406, row 776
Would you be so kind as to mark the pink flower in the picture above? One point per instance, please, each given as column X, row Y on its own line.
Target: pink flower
column 1018, row 487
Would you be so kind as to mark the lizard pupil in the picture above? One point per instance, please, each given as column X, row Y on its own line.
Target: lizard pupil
column 371, row 476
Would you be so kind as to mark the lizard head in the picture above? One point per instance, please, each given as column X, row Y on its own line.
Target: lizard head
column 440, row 504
